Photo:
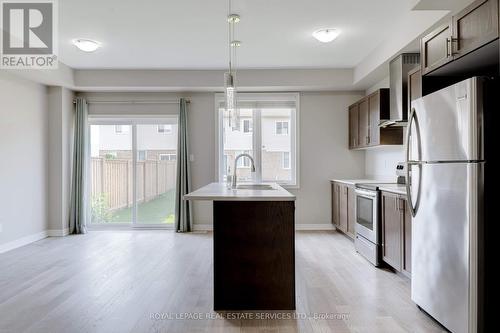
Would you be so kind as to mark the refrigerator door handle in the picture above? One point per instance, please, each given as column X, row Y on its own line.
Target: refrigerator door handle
column 410, row 163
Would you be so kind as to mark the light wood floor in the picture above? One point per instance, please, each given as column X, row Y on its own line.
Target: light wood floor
column 145, row 281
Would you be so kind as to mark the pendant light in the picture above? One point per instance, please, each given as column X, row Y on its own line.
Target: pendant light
column 230, row 77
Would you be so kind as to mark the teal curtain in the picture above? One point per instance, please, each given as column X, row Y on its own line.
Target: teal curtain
column 183, row 209
column 77, row 216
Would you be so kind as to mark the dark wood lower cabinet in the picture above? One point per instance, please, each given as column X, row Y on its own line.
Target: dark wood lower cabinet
column 407, row 240
column 351, row 212
column 396, row 232
column 335, row 204
column 391, row 230
column 343, row 208
column 254, row 255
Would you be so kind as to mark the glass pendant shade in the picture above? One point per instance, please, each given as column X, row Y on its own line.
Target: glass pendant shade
column 231, row 103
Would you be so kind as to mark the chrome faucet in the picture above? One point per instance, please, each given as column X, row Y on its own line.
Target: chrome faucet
column 234, row 181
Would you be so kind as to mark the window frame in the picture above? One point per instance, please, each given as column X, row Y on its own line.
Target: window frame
column 293, row 132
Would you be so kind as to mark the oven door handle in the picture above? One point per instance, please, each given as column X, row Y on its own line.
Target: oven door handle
column 365, row 194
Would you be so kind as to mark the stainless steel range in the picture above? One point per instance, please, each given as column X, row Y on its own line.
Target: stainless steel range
column 368, row 235
column 367, row 241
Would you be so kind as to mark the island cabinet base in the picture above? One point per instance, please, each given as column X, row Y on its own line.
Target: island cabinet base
column 254, row 255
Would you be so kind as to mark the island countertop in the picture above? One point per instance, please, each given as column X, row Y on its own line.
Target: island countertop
column 220, row 192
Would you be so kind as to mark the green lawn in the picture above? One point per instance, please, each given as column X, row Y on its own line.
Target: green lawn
column 159, row 210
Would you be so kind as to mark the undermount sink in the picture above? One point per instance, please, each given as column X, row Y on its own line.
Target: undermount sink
column 255, row 187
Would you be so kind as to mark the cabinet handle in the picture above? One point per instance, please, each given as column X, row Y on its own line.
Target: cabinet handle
column 367, row 140
column 449, row 47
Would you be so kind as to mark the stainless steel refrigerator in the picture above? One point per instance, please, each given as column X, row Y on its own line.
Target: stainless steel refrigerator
column 445, row 152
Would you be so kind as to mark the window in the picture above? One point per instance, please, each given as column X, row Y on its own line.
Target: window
column 243, row 162
column 141, row 155
column 128, row 186
column 247, row 126
column 165, row 129
column 268, row 134
column 282, row 128
column 285, row 160
column 167, row 157
column 122, row 129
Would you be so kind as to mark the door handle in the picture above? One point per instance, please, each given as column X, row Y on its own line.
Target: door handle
column 449, row 46
column 412, row 118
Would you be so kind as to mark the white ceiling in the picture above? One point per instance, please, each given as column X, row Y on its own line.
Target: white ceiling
column 192, row 34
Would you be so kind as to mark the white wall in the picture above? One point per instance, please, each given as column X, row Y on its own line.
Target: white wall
column 61, row 122
column 324, row 153
column 24, row 153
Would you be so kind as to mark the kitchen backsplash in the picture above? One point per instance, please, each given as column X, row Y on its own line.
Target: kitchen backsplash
column 380, row 163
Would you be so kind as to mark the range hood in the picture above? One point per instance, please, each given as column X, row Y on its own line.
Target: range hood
column 399, row 68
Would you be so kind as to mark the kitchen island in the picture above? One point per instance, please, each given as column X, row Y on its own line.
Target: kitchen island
column 254, row 246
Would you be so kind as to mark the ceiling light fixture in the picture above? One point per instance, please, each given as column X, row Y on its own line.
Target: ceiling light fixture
column 326, row 35
column 86, row 45
column 229, row 77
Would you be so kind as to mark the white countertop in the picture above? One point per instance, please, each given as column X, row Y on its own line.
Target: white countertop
column 393, row 188
column 357, row 181
column 220, row 192
column 382, row 184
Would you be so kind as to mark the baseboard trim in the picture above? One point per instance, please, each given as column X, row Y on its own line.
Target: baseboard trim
column 23, row 241
column 58, row 232
column 203, row 227
column 299, row 227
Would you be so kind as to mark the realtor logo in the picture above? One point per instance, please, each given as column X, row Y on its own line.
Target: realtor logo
column 29, row 34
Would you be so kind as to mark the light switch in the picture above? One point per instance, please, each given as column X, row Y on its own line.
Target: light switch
column 1, row 227
column 191, row 158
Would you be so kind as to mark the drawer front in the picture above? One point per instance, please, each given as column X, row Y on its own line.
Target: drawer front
column 367, row 249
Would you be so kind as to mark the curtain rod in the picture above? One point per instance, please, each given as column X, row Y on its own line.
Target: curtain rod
column 136, row 102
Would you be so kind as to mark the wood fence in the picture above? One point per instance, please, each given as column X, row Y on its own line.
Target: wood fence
column 114, row 178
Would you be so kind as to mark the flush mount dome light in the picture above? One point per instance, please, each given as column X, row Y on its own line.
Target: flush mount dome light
column 326, row 35
column 86, row 45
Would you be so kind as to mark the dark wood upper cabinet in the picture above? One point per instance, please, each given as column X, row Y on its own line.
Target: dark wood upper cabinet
column 364, row 119
column 374, row 107
column 391, row 230
column 435, row 49
column 468, row 31
column 474, row 27
column 364, row 123
column 353, row 126
column 414, row 85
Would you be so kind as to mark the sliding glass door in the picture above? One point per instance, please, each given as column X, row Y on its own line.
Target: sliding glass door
column 132, row 172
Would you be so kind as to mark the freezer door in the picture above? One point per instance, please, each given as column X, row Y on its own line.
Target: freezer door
column 444, row 253
column 450, row 123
